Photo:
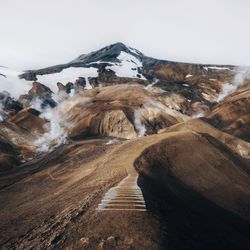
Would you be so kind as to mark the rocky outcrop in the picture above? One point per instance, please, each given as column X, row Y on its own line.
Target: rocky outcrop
column 38, row 94
column 80, row 84
column 65, row 90
column 112, row 123
column 69, row 87
column 61, row 87
column 8, row 105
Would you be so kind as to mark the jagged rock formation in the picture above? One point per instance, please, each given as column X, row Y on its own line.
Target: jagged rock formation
column 65, row 90
column 40, row 94
column 8, row 105
column 80, row 84
column 112, row 123
column 61, row 87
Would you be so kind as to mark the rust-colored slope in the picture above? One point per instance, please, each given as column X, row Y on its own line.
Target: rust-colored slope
column 55, row 198
column 232, row 115
column 186, row 163
column 197, row 125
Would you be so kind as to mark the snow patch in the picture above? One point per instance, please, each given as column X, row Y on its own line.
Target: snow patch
column 128, row 66
column 217, row 68
column 67, row 75
column 12, row 83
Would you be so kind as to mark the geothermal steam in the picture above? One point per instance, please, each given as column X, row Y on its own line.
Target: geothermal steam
column 58, row 123
column 228, row 88
column 141, row 130
column 55, row 134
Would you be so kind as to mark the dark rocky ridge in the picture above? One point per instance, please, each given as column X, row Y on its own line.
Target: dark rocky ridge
column 107, row 54
column 9, row 105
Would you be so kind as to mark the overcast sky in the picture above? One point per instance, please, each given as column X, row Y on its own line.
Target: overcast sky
column 39, row 33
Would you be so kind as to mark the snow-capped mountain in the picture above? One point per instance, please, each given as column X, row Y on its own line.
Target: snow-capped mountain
column 114, row 63
column 190, row 89
column 118, row 58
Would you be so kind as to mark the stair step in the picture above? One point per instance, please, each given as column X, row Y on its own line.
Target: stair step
column 123, row 209
column 126, row 196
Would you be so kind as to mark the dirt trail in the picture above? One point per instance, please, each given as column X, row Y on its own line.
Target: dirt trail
column 56, row 205
column 119, row 224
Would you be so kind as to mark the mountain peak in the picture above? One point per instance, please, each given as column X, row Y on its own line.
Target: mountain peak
column 107, row 54
column 118, row 45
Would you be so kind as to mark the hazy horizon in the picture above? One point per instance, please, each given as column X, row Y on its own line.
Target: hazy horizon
column 37, row 34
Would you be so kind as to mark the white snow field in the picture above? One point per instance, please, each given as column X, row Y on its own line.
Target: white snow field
column 128, row 67
column 67, row 75
column 12, row 83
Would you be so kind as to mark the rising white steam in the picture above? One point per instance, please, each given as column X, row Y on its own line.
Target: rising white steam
column 1, row 112
column 58, row 123
column 55, row 134
column 112, row 141
column 150, row 86
column 199, row 114
column 36, row 103
column 228, row 88
column 141, row 130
